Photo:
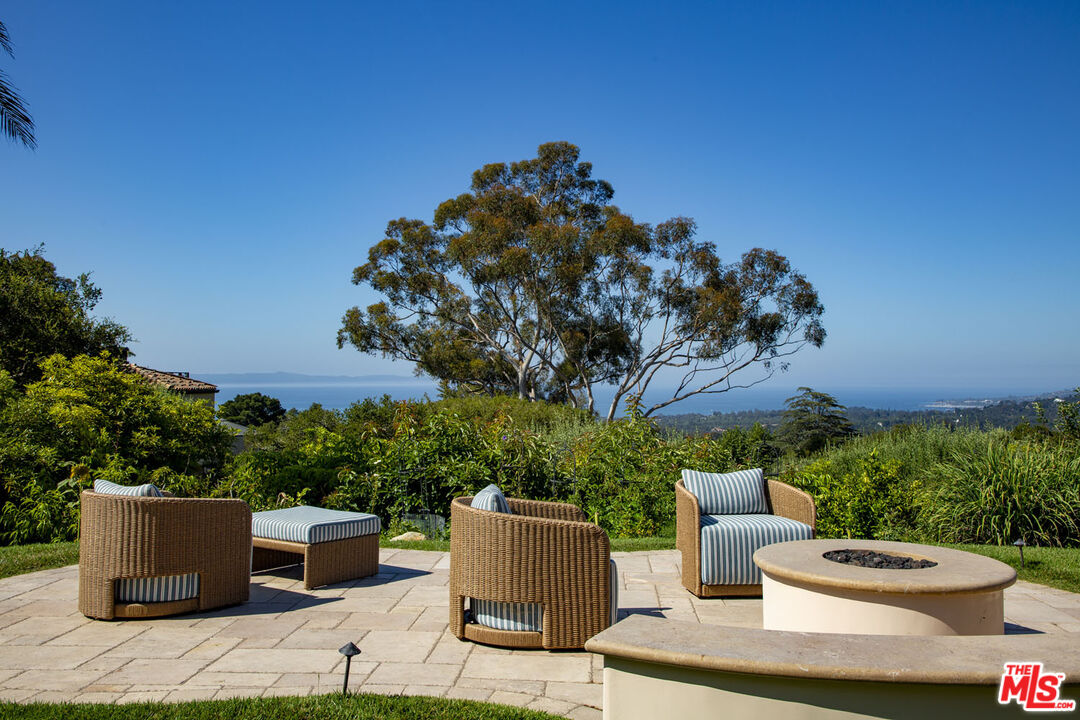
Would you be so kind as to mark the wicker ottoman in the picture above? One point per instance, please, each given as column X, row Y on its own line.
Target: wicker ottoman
column 333, row 545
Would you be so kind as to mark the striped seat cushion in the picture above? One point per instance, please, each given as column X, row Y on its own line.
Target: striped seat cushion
column 491, row 498
column 157, row 589
column 110, row 488
column 728, row 543
column 735, row 493
column 529, row 617
column 311, row 525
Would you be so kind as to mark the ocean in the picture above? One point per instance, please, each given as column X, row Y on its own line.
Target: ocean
column 340, row 395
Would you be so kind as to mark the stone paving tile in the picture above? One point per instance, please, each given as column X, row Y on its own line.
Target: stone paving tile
column 45, row 657
column 164, row 672
column 577, row 693
column 100, row 634
column 425, row 673
column 276, row 661
column 70, row 680
column 384, row 689
column 585, row 713
column 399, row 645
column 505, row 697
column 104, row 698
column 318, row 639
column 466, row 693
column 528, row 667
column 551, row 705
column 161, row 642
column 397, row 619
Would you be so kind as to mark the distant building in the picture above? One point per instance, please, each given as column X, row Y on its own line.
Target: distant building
column 177, row 382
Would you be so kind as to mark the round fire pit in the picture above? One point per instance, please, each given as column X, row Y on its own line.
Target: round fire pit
column 874, row 587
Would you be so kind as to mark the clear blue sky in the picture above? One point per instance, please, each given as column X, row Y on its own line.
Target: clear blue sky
column 222, row 167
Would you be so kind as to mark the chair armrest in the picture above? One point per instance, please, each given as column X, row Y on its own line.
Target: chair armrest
column 551, row 510
column 790, row 502
column 688, row 536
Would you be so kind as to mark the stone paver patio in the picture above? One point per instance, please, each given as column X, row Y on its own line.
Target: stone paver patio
column 285, row 640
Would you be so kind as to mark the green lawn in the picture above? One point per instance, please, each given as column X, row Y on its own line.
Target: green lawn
column 20, row 559
column 318, row 707
column 1056, row 567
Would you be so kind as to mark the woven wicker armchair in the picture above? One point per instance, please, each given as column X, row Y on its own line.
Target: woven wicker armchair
column 783, row 499
column 124, row 537
column 542, row 553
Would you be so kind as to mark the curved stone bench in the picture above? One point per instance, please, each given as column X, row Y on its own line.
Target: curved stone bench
column 655, row 668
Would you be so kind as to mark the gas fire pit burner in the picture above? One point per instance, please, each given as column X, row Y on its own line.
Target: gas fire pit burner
column 879, row 560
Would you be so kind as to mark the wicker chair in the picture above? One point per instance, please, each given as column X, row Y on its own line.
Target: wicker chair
column 124, row 537
column 783, row 500
column 542, row 553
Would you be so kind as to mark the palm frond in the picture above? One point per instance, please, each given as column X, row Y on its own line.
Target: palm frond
column 5, row 40
column 15, row 120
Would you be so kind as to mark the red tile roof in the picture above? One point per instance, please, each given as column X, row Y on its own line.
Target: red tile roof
column 177, row 382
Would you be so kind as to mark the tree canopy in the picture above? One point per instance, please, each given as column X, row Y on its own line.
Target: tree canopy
column 812, row 420
column 251, row 409
column 535, row 284
column 43, row 313
column 15, row 120
column 86, row 418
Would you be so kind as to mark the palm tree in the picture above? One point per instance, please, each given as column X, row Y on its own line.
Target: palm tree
column 15, row 120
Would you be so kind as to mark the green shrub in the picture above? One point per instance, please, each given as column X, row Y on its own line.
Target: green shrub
column 872, row 500
column 1010, row 491
column 87, row 419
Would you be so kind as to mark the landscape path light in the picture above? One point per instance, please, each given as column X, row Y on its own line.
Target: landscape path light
column 349, row 650
column 1021, row 544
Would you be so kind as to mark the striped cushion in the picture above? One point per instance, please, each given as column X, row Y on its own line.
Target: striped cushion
column 491, row 498
column 529, row 617
column 736, row 493
column 728, row 543
column 157, row 589
column 311, row 525
column 111, row 488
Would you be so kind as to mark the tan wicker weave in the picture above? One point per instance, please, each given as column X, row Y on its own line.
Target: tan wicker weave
column 542, row 553
column 140, row 537
column 784, row 501
column 324, row 563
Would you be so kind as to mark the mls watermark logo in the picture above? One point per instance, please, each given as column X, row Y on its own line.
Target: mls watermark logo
column 1033, row 689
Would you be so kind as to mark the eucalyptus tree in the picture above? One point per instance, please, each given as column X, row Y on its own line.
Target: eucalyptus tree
column 15, row 120
column 533, row 283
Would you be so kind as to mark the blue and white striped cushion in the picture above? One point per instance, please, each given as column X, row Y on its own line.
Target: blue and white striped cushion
column 110, row 488
column 529, row 617
column 311, row 525
column 157, row 589
column 728, row 543
column 736, row 493
column 491, row 498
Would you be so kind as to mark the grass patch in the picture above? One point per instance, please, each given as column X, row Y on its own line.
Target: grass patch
column 318, row 707
column 1056, row 567
column 21, row 559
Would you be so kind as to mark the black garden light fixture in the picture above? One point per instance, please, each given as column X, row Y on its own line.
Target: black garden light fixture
column 1021, row 544
column 349, row 650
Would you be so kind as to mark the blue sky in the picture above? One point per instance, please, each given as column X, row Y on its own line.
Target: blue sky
column 222, row 167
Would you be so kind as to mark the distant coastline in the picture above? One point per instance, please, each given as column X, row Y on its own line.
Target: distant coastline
column 298, row 390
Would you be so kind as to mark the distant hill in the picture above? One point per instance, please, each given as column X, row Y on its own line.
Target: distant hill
column 1003, row 414
column 288, row 378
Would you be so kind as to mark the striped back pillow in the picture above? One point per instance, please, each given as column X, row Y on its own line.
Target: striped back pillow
column 491, row 498
column 736, row 493
column 110, row 488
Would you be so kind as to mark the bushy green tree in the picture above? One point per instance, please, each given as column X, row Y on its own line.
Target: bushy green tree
column 84, row 419
column 251, row 409
column 812, row 420
column 43, row 313
column 534, row 284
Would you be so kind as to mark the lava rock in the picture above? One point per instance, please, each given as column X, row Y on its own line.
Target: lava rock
column 879, row 560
